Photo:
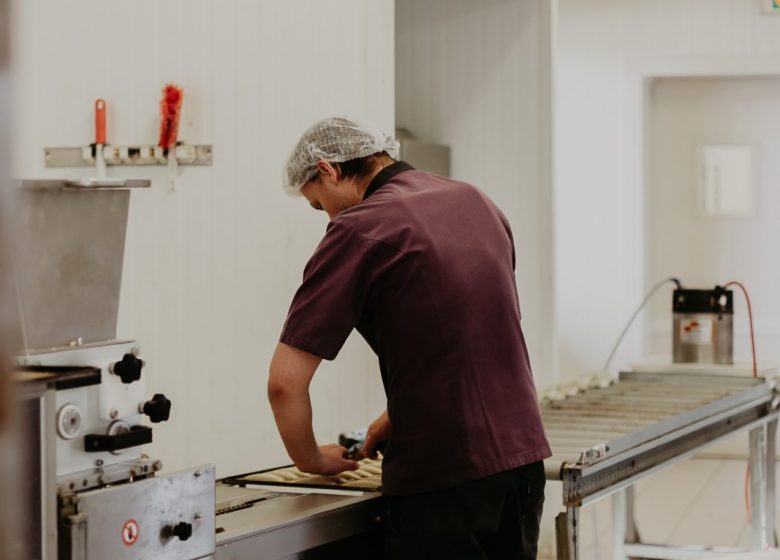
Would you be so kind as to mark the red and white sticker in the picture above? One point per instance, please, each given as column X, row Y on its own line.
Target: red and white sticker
column 130, row 532
column 693, row 331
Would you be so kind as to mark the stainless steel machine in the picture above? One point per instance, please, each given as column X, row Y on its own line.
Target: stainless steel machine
column 703, row 326
column 84, row 407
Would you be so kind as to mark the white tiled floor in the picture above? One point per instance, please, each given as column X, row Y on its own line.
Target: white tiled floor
column 700, row 501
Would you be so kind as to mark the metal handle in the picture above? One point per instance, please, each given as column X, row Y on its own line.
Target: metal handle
column 100, row 122
column 138, row 435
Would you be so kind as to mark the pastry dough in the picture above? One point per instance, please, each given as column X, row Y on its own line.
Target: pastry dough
column 368, row 476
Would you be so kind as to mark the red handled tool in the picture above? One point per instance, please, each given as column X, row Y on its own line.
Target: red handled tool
column 170, row 109
column 100, row 122
column 100, row 137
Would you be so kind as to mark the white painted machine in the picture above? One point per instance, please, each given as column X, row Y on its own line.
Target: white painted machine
column 83, row 402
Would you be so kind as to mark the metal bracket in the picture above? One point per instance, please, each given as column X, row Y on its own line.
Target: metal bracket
column 103, row 476
column 138, row 155
column 593, row 454
column 92, row 184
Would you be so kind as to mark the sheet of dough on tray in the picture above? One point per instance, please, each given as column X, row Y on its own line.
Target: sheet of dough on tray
column 367, row 477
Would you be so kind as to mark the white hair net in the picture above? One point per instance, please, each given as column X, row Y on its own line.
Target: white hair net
column 335, row 140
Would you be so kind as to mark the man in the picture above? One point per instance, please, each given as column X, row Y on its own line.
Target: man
column 423, row 267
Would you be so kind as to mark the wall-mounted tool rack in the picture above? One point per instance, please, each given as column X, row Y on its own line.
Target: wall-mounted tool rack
column 146, row 155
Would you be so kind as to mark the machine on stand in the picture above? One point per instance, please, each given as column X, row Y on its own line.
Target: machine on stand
column 82, row 403
column 609, row 433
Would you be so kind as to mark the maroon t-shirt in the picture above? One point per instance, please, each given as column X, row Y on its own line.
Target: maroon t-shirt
column 423, row 267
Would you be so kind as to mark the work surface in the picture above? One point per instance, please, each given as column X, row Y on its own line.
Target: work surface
column 603, row 437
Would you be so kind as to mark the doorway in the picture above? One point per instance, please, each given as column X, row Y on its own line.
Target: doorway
column 712, row 198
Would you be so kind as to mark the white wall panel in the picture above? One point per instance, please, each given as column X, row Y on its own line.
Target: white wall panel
column 210, row 270
column 477, row 76
column 607, row 49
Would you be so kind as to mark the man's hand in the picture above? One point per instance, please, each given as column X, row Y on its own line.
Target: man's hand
column 331, row 461
column 377, row 435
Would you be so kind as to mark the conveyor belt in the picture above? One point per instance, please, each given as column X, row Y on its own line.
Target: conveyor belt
column 605, row 439
column 618, row 431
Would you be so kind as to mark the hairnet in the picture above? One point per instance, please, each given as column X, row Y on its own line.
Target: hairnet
column 334, row 140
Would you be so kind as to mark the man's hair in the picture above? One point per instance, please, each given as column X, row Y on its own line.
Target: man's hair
column 361, row 167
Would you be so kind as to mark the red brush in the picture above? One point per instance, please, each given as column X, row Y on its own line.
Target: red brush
column 170, row 108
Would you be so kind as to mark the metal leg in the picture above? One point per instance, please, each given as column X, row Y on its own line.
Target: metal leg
column 758, row 486
column 632, row 533
column 567, row 534
column 771, row 451
column 619, row 525
column 624, row 529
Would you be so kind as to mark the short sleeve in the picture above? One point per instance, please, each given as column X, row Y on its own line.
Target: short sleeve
column 330, row 301
column 508, row 229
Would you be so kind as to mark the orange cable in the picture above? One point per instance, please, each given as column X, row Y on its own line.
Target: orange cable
column 747, row 493
column 750, row 319
column 755, row 374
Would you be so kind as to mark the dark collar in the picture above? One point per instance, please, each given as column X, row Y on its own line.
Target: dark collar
column 385, row 175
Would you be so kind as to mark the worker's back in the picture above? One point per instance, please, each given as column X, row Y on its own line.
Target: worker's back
column 440, row 309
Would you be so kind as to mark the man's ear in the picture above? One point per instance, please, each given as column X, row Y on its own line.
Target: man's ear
column 328, row 170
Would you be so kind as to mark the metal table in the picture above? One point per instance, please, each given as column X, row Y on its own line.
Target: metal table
column 606, row 439
column 255, row 522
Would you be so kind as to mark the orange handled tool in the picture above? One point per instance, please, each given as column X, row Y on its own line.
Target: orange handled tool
column 100, row 122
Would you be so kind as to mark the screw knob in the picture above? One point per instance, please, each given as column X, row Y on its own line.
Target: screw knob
column 182, row 530
column 128, row 368
column 158, row 409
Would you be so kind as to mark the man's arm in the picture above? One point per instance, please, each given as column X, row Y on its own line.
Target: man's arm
column 377, row 435
column 288, row 392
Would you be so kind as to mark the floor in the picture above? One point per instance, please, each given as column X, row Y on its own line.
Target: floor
column 700, row 501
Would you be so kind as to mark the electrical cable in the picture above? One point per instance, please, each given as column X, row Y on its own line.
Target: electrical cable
column 750, row 320
column 752, row 348
column 748, row 510
column 747, row 494
column 638, row 310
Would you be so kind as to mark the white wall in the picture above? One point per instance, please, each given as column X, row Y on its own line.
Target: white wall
column 685, row 114
column 210, row 270
column 477, row 76
column 607, row 49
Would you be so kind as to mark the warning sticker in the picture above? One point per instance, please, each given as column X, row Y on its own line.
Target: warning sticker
column 130, row 532
column 696, row 331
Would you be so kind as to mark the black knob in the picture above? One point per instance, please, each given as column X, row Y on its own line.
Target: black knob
column 158, row 409
column 128, row 368
column 182, row 530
